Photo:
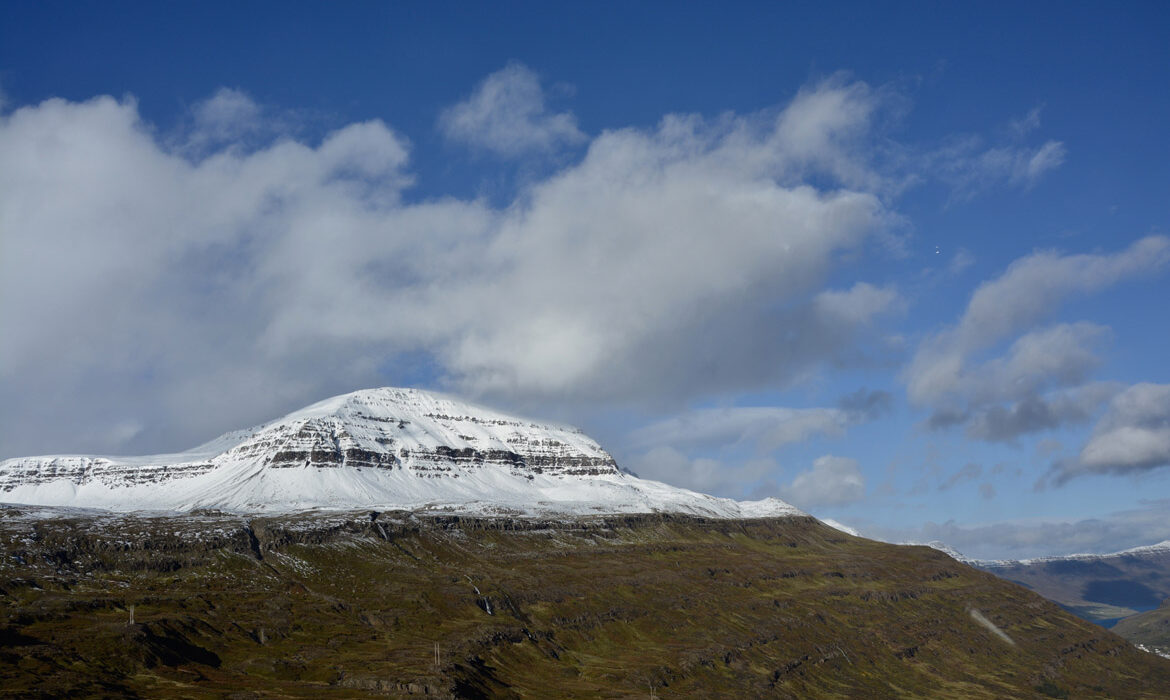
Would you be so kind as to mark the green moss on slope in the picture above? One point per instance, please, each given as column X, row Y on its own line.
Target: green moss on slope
column 331, row 606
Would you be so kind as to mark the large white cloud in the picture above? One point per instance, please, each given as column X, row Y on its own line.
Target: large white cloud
column 1132, row 437
column 832, row 481
column 143, row 286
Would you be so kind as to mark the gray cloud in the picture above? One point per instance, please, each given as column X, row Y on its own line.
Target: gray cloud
column 1011, row 540
column 149, row 301
column 1132, row 437
column 831, row 481
column 864, row 404
column 765, row 427
column 1031, row 414
column 506, row 114
column 969, row 472
column 1041, row 381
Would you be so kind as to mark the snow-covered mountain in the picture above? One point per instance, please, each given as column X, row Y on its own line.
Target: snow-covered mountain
column 379, row 448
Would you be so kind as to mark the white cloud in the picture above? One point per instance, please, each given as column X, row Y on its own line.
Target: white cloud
column 971, row 167
column 227, row 115
column 1026, row 124
column 1041, row 381
column 1016, row 540
column 665, row 463
column 831, row 481
column 1132, row 437
column 506, row 114
column 200, row 295
column 766, row 427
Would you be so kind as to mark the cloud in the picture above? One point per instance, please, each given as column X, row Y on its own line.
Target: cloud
column 766, row 427
column 968, row 472
column 195, row 295
column 506, row 115
column 732, row 431
column 1041, row 381
column 960, row 261
column 228, row 115
column 971, row 167
column 831, row 481
column 1145, row 525
column 1132, row 437
column 864, row 405
column 665, row 463
column 1031, row 414
column 1021, row 127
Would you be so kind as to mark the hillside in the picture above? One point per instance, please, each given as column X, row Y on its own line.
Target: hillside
column 1103, row 588
column 1150, row 628
column 391, row 604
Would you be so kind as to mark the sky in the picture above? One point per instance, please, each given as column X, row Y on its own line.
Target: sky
column 903, row 266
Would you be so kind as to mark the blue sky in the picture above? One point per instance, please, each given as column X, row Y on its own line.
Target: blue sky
column 903, row 266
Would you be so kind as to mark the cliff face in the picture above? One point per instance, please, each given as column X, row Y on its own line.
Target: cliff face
column 375, row 429
column 390, row 604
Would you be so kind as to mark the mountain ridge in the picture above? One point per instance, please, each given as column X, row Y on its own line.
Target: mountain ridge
column 378, row 448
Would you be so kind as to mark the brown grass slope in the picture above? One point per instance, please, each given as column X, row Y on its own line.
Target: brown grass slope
column 356, row 605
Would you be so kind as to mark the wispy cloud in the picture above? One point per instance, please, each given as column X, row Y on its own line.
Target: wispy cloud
column 1147, row 524
column 971, row 166
column 969, row 472
column 1042, row 381
column 765, row 427
column 507, row 115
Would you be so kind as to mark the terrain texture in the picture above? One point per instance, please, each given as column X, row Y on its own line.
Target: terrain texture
column 1151, row 629
column 1104, row 588
column 388, row 604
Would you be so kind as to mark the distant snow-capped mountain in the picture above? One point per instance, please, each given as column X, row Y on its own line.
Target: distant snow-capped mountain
column 388, row 448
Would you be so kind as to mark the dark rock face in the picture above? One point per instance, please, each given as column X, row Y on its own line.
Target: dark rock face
column 83, row 470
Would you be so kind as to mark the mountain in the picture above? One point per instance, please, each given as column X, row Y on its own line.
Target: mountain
column 379, row 448
column 1103, row 588
column 328, row 604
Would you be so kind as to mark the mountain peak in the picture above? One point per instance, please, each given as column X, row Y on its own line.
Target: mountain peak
column 386, row 447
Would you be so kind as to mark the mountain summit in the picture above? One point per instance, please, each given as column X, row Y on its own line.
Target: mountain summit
column 389, row 448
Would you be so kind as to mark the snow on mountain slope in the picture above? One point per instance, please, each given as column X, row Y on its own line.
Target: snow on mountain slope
column 1159, row 549
column 385, row 448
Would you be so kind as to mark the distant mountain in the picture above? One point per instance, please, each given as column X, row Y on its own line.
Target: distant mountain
column 379, row 448
column 1103, row 588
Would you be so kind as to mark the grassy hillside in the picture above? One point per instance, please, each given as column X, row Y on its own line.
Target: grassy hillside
column 1150, row 628
column 361, row 605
